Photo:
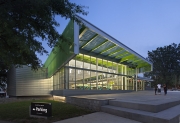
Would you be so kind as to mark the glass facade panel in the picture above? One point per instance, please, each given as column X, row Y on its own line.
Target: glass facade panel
column 79, row 79
column 119, row 69
column 100, row 81
column 72, row 81
column 90, row 73
column 120, row 82
column 115, row 83
column 87, row 64
column 79, row 64
column 105, row 66
column 129, row 84
column 130, row 71
column 55, row 82
column 87, row 80
column 72, row 63
column 93, row 63
column 109, row 66
column 100, row 64
column 114, row 67
column 94, row 80
column 58, row 80
column 104, row 81
column 110, row 82
column 61, row 79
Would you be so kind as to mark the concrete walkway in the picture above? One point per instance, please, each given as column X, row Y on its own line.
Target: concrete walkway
column 140, row 96
column 98, row 117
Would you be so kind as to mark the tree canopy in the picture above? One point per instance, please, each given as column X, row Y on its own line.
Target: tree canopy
column 24, row 24
column 166, row 63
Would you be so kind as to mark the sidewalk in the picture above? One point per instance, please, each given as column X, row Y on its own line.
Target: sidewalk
column 98, row 117
column 141, row 96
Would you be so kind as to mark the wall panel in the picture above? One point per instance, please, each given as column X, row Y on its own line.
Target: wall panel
column 32, row 83
column 11, row 82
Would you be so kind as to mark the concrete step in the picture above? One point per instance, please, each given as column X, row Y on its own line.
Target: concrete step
column 170, row 115
column 146, row 106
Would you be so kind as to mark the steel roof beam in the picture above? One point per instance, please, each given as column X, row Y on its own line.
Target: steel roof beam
column 82, row 33
column 105, row 50
column 89, row 41
column 96, row 47
column 120, row 49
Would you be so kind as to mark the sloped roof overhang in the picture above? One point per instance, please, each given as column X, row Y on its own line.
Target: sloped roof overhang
column 95, row 42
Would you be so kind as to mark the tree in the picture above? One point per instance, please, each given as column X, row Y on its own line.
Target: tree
column 3, row 76
column 166, row 63
column 24, row 24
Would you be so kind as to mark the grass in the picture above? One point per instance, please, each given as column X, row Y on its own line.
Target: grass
column 19, row 112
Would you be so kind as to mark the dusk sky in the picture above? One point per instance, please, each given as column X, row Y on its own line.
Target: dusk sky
column 142, row 25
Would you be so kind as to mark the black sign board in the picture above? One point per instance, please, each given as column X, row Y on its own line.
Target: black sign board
column 41, row 109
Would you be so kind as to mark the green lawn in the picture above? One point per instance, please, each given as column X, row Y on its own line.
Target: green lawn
column 19, row 112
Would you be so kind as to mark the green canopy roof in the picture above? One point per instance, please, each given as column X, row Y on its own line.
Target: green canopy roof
column 90, row 40
column 95, row 42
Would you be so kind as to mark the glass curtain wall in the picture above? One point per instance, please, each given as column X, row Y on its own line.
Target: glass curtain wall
column 90, row 73
column 58, row 80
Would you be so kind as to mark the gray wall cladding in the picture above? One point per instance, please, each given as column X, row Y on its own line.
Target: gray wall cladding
column 11, row 82
column 32, row 83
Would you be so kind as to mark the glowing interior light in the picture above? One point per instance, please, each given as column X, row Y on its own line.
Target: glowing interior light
column 70, row 71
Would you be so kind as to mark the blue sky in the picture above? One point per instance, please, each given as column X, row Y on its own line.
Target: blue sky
column 142, row 25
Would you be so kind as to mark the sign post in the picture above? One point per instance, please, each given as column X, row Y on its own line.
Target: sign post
column 40, row 109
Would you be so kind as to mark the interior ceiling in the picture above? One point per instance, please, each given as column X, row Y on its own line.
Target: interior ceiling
column 93, row 44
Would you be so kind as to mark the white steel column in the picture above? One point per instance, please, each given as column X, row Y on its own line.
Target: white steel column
column 117, row 77
column 83, row 72
column 122, row 80
column 125, row 78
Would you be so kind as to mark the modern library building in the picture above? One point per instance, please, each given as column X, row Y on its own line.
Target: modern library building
column 90, row 62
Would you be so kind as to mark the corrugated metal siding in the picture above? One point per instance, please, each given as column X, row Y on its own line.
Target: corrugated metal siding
column 32, row 83
column 11, row 82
